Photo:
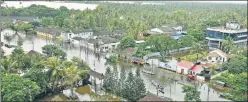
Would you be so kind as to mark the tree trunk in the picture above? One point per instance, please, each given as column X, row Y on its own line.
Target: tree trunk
column 71, row 91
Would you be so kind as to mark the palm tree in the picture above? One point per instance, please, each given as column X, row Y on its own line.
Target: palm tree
column 55, row 70
column 72, row 75
column 8, row 65
column 198, row 48
column 227, row 44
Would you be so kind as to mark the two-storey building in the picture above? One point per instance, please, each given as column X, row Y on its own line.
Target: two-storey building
column 216, row 35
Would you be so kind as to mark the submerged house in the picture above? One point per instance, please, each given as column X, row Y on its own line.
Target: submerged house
column 82, row 33
column 108, row 44
column 183, row 67
column 49, row 33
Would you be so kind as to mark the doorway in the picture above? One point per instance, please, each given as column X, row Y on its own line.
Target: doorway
column 182, row 71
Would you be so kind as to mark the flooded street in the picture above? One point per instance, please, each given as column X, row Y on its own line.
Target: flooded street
column 173, row 89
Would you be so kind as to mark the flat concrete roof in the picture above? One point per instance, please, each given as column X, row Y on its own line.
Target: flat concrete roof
column 222, row 29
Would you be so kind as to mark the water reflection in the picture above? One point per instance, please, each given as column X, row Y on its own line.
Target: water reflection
column 172, row 89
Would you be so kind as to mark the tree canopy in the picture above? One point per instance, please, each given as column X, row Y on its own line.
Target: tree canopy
column 17, row 88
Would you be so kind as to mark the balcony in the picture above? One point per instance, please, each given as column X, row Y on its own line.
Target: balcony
column 240, row 36
column 215, row 39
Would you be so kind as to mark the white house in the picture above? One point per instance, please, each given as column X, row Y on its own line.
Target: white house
column 77, row 40
column 168, row 29
column 183, row 67
column 84, row 33
column 108, row 44
column 217, row 56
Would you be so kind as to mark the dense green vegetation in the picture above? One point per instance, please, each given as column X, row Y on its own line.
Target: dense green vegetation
column 236, row 77
column 238, row 83
column 29, row 76
column 131, row 87
column 136, row 18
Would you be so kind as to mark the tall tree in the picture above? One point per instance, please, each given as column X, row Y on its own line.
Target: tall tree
column 237, row 64
column 127, row 42
column 227, row 44
column 54, row 72
column 72, row 75
column 186, row 41
column 17, row 88
column 108, row 80
column 191, row 93
column 140, row 88
column 8, row 65
column 130, row 87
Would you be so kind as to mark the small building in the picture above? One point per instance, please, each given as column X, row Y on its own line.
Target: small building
column 196, row 69
column 183, row 67
column 49, row 33
column 108, row 44
column 170, row 65
column 216, row 35
column 217, row 56
column 83, row 33
column 153, row 98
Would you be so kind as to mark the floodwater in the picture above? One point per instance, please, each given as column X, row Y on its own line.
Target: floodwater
column 76, row 6
column 172, row 89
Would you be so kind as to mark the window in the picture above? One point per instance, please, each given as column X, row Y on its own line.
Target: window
column 216, row 58
column 209, row 58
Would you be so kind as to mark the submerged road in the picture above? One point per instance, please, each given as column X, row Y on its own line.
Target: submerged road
column 173, row 89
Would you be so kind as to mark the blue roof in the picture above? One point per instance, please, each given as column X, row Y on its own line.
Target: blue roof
column 177, row 36
column 135, row 58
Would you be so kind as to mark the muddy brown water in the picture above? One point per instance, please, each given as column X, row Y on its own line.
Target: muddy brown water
column 172, row 89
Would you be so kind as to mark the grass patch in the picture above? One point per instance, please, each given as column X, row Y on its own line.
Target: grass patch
column 193, row 56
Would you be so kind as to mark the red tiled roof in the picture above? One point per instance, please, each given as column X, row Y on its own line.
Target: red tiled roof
column 151, row 98
column 196, row 68
column 185, row 64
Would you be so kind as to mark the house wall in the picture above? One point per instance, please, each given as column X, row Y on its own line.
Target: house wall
column 48, row 36
column 82, row 35
column 195, row 72
column 219, row 59
column 186, row 70
column 76, row 42
column 45, row 35
column 109, row 47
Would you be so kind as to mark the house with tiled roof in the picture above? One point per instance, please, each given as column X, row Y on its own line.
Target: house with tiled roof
column 196, row 69
column 49, row 33
column 183, row 67
column 217, row 56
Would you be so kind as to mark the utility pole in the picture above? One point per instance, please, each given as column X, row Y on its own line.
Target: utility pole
column 80, row 41
column 208, row 93
column 152, row 66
